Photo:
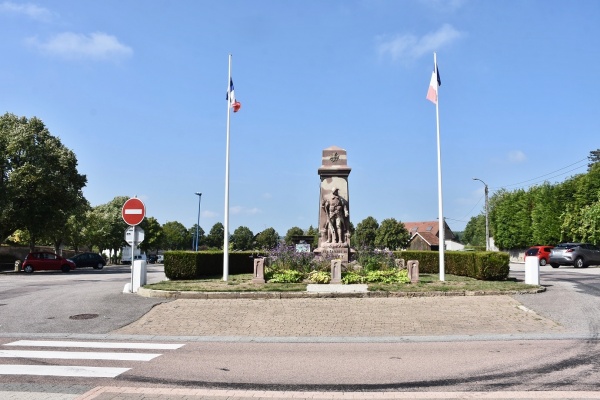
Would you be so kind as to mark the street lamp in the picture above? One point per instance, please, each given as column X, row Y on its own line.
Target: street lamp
column 487, row 226
column 198, row 224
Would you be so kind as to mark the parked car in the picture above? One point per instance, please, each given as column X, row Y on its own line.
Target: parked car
column 160, row 259
column 42, row 260
column 541, row 252
column 93, row 260
column 579, row 255
column 152, row 258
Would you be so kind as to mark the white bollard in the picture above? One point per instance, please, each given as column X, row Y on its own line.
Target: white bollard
column 532, row 271
column 139, row 275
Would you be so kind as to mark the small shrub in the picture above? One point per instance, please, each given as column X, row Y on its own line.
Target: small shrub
column 319, row 277
column 286, row 276
column 388, row 276
column 375, row 260
column 351, row 277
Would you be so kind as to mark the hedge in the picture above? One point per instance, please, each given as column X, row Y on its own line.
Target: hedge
column 181, row 265
column 482, row 265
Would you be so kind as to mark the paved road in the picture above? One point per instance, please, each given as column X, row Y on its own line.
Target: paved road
column 537, row 346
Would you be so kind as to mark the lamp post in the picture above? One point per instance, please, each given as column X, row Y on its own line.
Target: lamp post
column 487, row 226
column 198, row 224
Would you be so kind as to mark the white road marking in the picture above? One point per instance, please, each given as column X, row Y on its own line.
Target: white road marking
column 77, row 355
column 95, row 345
column 59, row 370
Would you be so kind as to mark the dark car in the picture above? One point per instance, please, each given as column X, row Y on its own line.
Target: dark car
column 93, row 260
column 152, row 258
column 579, row 255
column 541, row 252
column 42, row 260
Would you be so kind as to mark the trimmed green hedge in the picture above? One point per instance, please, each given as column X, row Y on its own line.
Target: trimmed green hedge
column 482, row 265
column 182, row 265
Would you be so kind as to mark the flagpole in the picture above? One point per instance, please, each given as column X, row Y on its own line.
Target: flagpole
column 442, row 225
column 226, row 222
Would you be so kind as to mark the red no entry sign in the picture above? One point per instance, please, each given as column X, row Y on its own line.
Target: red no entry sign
column 133, row 211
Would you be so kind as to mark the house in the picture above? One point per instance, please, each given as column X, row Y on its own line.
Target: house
column 425, row 236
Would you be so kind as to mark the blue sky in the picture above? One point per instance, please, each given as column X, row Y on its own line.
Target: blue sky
column 137, row 91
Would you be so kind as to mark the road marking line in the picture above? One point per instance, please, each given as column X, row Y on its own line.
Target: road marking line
column 95, row 345
column 59, row 370
column 77, row 355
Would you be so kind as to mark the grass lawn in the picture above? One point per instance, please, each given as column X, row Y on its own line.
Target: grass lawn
column 427, row 283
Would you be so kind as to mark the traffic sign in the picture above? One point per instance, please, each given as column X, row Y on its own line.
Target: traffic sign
column 133, row 211
column 130, row 236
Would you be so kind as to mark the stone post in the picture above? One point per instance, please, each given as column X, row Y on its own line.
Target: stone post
column 259, row 270
column 413, row 271
column 336, row 271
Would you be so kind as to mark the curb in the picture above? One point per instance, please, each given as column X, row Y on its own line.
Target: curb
column 174, row 295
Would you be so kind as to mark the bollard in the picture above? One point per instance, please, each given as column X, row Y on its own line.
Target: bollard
column 259, row 270
column 532, row 271
column 138, row 272
column 18, row 266
column 413, row 270
column 336, row 271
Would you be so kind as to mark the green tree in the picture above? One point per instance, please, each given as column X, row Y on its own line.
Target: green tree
column 391, row 235
column 511, row 219
column 153, row 234
column 216, row 236
column 546, row 214
column 474, row 233
column 267, row 239
column 366, row 231
column 294, row 231
column 242, row 238
column 105, row 228
column 314, row 232
column 175, row 236
column 39, row 181
column 594, row 158
column 201, row 237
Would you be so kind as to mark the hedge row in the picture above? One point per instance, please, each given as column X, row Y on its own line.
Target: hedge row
column 482, row 265
column 181, row 265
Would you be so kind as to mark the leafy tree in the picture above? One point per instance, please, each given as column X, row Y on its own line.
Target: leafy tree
column 39, row 181
column 216, row 236
column 366, row 231
column 267, row 239
column 175, row 236
column 294, row 231
column 242, row 238
column 72, row 231
column 546, row 214
column 594, row 158
column 474, row 233
column 153, row 234
column 392, row 235
column 511, row 219
column 201, row 239
column 314, row 232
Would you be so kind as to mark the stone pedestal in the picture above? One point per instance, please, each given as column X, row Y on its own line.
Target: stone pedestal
column 413, row 270
column 336, row 272
column 334, row 204
column 259, row 270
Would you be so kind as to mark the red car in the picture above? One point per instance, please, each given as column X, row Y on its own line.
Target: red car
column 43, row 260
column 541, row 252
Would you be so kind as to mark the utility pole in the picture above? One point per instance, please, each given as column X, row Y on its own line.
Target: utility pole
column 198, row 224
column 487, row 226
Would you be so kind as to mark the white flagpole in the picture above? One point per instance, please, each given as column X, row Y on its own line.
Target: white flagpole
column 442, row 225
column 226, row 222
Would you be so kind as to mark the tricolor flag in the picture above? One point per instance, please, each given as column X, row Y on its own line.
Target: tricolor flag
column 434, row 84
column 233, row 103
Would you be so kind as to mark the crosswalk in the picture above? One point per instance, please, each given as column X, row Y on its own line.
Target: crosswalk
column 45, row 368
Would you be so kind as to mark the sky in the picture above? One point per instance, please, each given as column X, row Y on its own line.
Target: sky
column 137, row 91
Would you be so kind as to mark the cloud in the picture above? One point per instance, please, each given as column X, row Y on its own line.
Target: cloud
column 70, row 45
column 209, row 214
column 516, row 157
column 267, row 196
column 244, row 210
column 409, row 47
column 29, row 10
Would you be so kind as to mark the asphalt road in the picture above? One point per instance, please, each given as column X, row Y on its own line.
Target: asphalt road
column 41, row 304
column 55, row 302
